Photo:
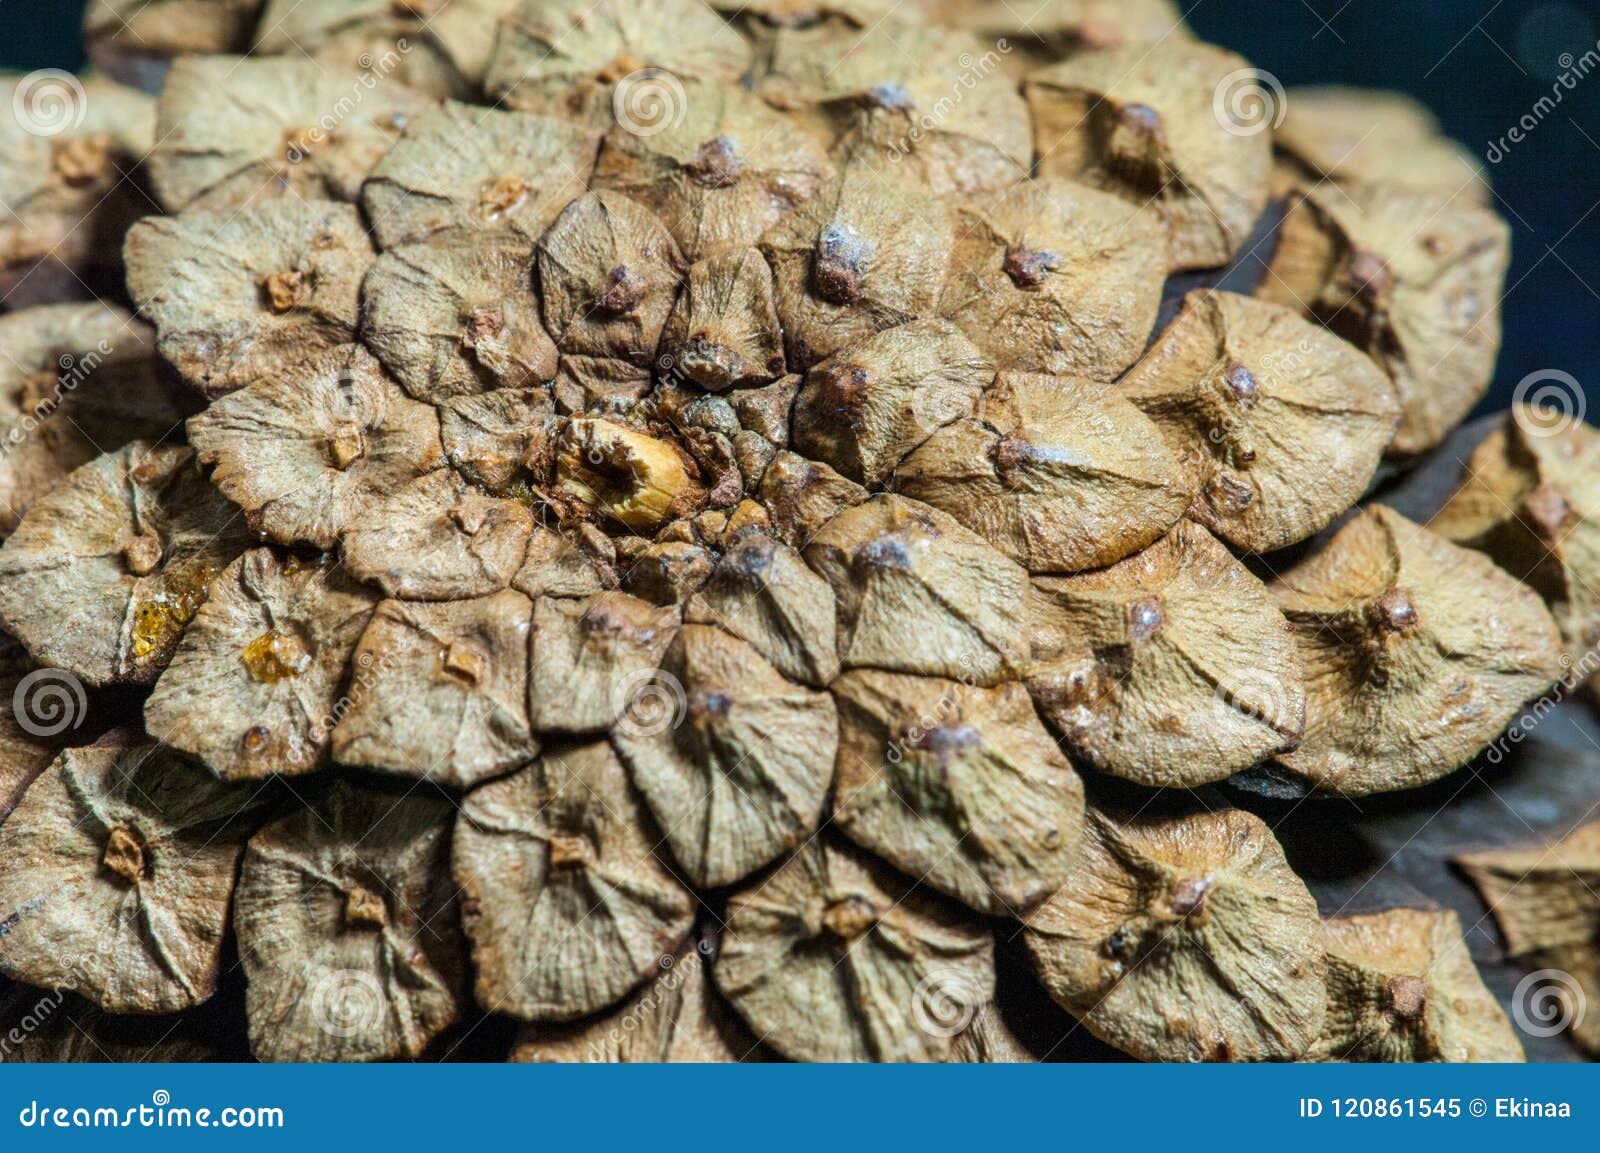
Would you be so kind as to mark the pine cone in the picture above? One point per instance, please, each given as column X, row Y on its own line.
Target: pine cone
column 792, row 478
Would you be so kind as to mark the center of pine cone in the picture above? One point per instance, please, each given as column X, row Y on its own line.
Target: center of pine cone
column 637, row 479
column 125, row 854
column 716, row 163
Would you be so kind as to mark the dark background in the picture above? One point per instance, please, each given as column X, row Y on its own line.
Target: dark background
column 1481, row 66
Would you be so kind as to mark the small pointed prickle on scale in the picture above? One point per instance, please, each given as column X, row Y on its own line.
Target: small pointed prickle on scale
column 652, row 520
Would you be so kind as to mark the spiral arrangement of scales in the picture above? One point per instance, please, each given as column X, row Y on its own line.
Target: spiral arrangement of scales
column 748, row 531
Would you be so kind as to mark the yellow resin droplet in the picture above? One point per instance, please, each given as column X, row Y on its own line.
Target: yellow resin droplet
column 275, row 656
column 159, row 622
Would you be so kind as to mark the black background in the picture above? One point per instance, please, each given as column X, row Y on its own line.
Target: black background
column 1481, row 66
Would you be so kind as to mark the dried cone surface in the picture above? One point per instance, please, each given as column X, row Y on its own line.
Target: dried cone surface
column 1141, row 121
column 1401, row 987
column 886, row 89
column 117, row 877
column 520, row 172
column 678, row 1017
column 918, row 593
column 1185, row 939
column 1281, row 425
column 440, row 47
column 1410, row 278
column 268, row 653
column 1061, row 27
column 864, row 408
column 609, row 271
column 1057, row 472
column 832, row 957
column 870, row 251
column 44, row 710
column 232, row 130
column 439, row 539
column 1416, row 653
column 956, row 785
column 491, row 437
column 680, row 427
column 1542, row 897
column 306, row 452
column 801, row 496
column 77, row 380
column 988, row 1040
column 566, row 905
column 1171, row 668
column 1352, row 136
column 170, row 27
column 583, row 58
column 720, row 173
column 457, row 315
column 741, row 776
column 347, row 929
column 1531, row 500
column 592, row 657
column 68, row 152
column 1050, row 276
column 247, row 295
column 440, row 690
column 723, row 332
column 106, row 572
column 762, row 592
